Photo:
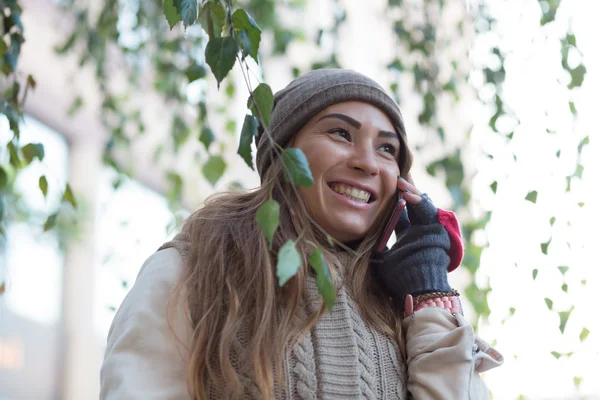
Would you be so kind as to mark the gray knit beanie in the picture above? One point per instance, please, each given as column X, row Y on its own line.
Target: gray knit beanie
column 308, row 95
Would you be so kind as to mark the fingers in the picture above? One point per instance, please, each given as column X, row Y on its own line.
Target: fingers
column 408, row 190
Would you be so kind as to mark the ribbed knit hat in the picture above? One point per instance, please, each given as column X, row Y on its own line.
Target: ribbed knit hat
column 308, row 95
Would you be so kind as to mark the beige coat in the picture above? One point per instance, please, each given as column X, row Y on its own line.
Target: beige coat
column 145, row 360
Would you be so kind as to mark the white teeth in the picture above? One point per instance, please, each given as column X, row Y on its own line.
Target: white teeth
column 352, row 192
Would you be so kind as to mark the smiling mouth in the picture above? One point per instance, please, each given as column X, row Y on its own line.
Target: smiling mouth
column 352, row 193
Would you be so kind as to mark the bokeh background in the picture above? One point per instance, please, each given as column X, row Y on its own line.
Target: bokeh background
column 500, row 100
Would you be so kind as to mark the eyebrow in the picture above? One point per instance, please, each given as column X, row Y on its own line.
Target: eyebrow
column 357, row 124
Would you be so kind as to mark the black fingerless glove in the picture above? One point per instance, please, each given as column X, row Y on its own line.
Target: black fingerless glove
column 418, row 261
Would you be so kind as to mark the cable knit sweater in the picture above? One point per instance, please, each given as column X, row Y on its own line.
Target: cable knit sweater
column 342, row 357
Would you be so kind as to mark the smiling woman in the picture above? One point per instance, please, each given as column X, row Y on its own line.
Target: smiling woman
column 207, row 320
column 353, row 151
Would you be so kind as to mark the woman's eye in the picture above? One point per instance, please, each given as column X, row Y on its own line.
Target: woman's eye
column 341, row 133
column 389, row 148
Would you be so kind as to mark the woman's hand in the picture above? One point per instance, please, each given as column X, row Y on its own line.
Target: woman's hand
column 410, row 193
column 418, row 261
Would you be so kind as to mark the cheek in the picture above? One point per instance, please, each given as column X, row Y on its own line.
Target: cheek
column 317, row 157
column 390, row 182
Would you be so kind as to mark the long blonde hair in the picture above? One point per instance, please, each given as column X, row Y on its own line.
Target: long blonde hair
column 229, row 284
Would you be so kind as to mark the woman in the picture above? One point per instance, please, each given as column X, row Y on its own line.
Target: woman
column 207, row 320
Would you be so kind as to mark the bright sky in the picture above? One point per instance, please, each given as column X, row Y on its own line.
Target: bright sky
column 126, row 235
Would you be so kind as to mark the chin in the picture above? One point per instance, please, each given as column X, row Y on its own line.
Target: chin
column 349, row 233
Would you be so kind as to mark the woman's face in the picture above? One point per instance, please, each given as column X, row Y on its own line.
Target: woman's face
column 352, row 149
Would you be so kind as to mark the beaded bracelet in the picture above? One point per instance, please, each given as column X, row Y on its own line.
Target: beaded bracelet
column 447, row 300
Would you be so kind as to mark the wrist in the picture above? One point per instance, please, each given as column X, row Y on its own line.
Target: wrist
column 448, row 300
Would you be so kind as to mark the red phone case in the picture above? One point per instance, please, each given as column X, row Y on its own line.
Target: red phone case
column 389, row 228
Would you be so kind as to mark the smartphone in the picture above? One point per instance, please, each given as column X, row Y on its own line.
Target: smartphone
column 389, row 228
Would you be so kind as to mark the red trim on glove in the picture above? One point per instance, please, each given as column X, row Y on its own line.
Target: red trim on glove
column 457, row 250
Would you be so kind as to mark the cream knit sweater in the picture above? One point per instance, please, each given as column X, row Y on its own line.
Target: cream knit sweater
column 341, row 358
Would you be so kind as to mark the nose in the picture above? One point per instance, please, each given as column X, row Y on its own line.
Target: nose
column 364, row 160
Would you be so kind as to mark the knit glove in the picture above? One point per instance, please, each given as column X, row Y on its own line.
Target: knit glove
column 418, row 261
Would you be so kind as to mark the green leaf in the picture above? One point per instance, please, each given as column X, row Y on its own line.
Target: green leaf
column 494, row 186
column 231, row 126
column 50, row 222
column 549, row 303
column 245, row 43
column 296, row 165
column 577, row 75
column 532, row 196
column 3, row 47
column 565, row 288
column 572, row 108
column 563, row 269
column 33, row 150
column 15, row 161
column 171, row 13
column 194, row 72
column 69, row 197
column 3, row 179
column 552, row 221
column 261, row 103
column 584, row 334
column 212, row 18
column 206, row 137
column 512, row 310
column 248, row 28
column 534, row 273
column 31, row 82
column 43, row 184
column 220, row 54
column 564, row 317
column 2, row 288
column 15, row 15
column 324, row 281
column 396, row 65
column 556, row 354
column 176, row 186
column 188, row 11
column 179, row 131
column 213, row 169
column 230, row 89
column 579, row 171
column 544, row 246
column 75, row 106
column 288, row 262
column 330, row 240
column 577, row 381
column 584, row 142
column 267, row 218
column 249, row 131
